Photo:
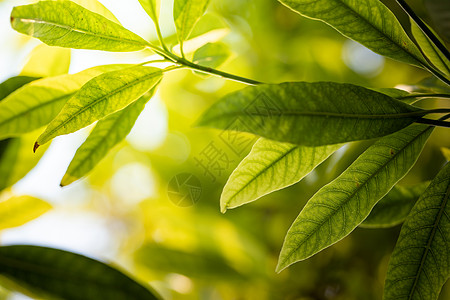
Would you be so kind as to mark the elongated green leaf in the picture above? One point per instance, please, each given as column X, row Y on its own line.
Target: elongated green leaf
column 339, row 207
column 107, row 133
column 212, row 55
column 97, row 7
column 186, row 13
column 37, row 103
column 446, row 152
column 103, row 95
column 152, row 8
column 430, row 50
column 420, row 263
column 13, row 83
column 17, row 211
column 66, row 24
column 394, row 207
column 46, row 61
column 59, row 274
column 368, row 22
column 270, row 166
column 311, row 114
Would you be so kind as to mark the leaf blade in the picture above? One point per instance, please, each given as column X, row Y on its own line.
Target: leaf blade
column 101, row 96
column 17, row 211
column 185, row 14
column 420, row 263
column 339, row 207
column 152, row 8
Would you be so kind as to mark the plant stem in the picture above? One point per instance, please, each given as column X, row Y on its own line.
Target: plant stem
column 431, row 95
column 433, row 122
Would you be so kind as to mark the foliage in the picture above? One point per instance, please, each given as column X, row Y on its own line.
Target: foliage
column 301, row 127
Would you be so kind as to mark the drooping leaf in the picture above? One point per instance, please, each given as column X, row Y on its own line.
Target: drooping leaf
column 13, row 83
column 311, row 114
column 420, row 263
column 17, row 211
column 107, row 133
column 37, row 103
column 368, row 22
column 394, row 207
column 97, row 7
column 185, row 14
column 46, row 61
column 101, row 96
column 53, row 273
column 270, row 166
column 152, row 8
column 66, row 24
column 212, row 55
column 339, row 207
column 430, row 50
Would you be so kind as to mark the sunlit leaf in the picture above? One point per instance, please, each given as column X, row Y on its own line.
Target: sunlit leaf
column 311, row 114
column 420, row 263
column 101, row 96
column 368, row 22
column 394, row 207
column 97, row 7
column 446, row 152
column 212, row 55
column 13, row 83
column 107, row 133
column 54, row 273
column 340, row 206
column 66, row 24
column 37, row 103
column 186, row 13
column 46, row 61
column 270, row 166
column 17, row 211
column 152, row 8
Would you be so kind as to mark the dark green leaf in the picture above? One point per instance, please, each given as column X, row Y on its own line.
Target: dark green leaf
column 420, row 263
column 311, row 114
column 65, row 275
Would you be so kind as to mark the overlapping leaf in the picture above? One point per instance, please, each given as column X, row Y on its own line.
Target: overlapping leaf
column 101, row 96
column 394, row 207
column 270, row 166
column 107, row 133
column 339, row 207
column 212, row 55
column 368, row 22
column 46, row 61
column 66, row 24
column 420, row 263
column 97, row 7
column 52, row 273
column 17, row 211
column 152, row 8
column 186, row 13
column 311, row 114
column 37, row 103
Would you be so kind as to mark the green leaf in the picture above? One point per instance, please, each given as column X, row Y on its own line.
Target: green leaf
column 368, row 22
column 100, row 97
column 66, row 24
column 37, row 103
column 270, row 166
column 46, row 61
column 446, row 152
column 107, row 133
column 13, row 83
column 152, row 8
column 394, row 207
column 339, row 207
column 17, row 211
column 430, row 50
column 185, row 14
column 53, row 273
column 212, row 55
column 311, row 114
column 420, row 263
column 97, row 7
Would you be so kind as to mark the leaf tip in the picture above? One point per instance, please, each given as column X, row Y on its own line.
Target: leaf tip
column 66, row 180
column 36, row 145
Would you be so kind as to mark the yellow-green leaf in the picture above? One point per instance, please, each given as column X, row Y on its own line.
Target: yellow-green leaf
column 186, row 13
column 17, row 211
column 152, row 8
column 46, row 61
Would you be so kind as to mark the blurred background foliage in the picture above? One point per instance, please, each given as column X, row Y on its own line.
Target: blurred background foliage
column 122, row 212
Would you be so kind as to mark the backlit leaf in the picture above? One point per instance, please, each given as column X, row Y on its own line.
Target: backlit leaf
column 212, row 55
column 186, row 13
column 394, row 207
column 107, row 133
column 340, row 206
column 37, row 103
column 420, row 263
column 52, row 273
column 101, row 96
column 66, row 24
column 13, row 83
column 270, row 166
column 17, row 211
column 311, row 114
column 46, row 61
column 152, row 8
column 97, row 7
column 368, row 22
